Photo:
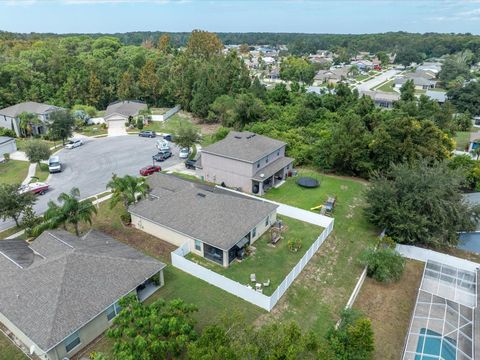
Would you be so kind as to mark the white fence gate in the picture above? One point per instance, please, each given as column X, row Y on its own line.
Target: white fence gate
column 167, row 115
column 240, row 290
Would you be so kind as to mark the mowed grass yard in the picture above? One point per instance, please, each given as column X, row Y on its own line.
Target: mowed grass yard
column 462, row 138
column 321, row 291
column 390, row 307
column 13, row 171
column 268, row 262
column 8, row 351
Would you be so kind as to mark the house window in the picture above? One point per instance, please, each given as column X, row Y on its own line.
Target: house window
column 267, row 221
column 72, row 341
column 278, row 153
column 254, row 232
column 258, row 165
column 113, row 311
column 198, row 245
column 266, row 160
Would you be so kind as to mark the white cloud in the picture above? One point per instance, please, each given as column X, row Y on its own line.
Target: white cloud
column 92, row 2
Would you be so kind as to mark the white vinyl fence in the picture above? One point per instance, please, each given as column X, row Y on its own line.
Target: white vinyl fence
column 241, row 290
column 167, row 115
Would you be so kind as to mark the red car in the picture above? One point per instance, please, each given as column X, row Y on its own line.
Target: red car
column 149, row 170
column 35, row 188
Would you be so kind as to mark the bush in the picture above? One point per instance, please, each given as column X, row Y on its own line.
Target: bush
column 37, row 151
column 140, row 123
column 6, row 156
column 7, row 132
column 30, row 220
column 384, row 264
column 294, row 245
column 126, row 218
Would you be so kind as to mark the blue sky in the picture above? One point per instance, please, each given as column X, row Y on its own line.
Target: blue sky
column 107, row 16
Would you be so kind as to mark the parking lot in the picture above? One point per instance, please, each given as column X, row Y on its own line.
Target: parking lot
column 90, row 166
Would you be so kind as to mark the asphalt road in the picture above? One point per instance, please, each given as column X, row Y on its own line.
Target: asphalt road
column 90, row 166
column 368, row 85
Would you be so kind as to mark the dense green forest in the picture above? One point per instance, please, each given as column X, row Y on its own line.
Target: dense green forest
column 428, row 44
column 342, row 132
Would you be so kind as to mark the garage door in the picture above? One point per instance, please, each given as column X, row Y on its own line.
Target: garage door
column 116, row 124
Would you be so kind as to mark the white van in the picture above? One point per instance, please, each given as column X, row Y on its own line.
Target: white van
column 54, row 164
column 163, row 145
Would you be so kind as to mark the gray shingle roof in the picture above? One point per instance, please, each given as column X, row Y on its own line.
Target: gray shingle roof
column 212, row 215
column 272, row 168
column 29, row 106
column 245, row 146
column 70, row 281
column 126, row 108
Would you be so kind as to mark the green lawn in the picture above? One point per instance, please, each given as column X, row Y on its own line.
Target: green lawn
column 386, row 87
column 362, row 77
column 13, row 171
column 169, row 126
column 462, row 138
column 8, row 232
column 8, row 351
column 21, row 142
column 268, row 262
column 41, row 172
column 93, row 130
column 318, row 295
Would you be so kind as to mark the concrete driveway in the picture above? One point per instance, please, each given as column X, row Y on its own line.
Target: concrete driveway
column 90, row 166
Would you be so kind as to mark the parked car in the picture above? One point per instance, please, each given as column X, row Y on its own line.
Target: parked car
column 191, row 164
column 74, row 143
column 184, row 152
column 39, row 188
column 163, row 145
column 149, row 170
column 168, row 137
column 162, row 155
column 54, row 164
column 147, row 133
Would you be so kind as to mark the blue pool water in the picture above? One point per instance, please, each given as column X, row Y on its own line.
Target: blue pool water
column 469, row 242
column 434, row 347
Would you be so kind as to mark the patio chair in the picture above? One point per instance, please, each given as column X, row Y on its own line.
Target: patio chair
column 253, row 278
column 258, row 286
column 266, row 283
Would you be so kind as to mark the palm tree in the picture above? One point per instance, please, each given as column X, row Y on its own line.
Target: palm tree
column 71, row 211
column 128, row 189
column 27, row 120
column 476, row 152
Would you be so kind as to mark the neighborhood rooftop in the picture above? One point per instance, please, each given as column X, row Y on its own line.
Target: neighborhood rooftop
column 127, row 108
column 29, row 106
column 212, row 215
column 245, row 146
column 59, row 282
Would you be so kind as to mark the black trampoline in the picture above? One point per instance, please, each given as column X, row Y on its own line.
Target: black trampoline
column 308, row 182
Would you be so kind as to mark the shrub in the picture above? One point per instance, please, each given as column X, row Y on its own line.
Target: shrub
column 103, row 126
column 6, row 157
column 126, row 218
column 7, row 132
column 294, row 245
column 383, row 264
column 140, row 123
column 37, row 151
column 30, row 220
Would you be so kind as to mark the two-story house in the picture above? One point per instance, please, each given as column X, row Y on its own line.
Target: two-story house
column 245, row 160
column 9, row 116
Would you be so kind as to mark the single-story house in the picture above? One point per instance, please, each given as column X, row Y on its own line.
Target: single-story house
column 215, row 223
column 245, row 160
column 9, row 116
column 438, row 96
column 119, row 112
column 8, row 145
column 420, row 83
column 331, row 76
column 60, row 292
column 382, row 99
column 363, row 65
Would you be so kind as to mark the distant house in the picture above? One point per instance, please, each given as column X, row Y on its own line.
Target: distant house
column 363, row 65
column 382, row 99
column 331, row 76
column 438, row 96
column 119, row 112
column 60, row 292
column 8, row 145
column 419, row 82
column 9, row 116
column 245, row 160
column 215, row 223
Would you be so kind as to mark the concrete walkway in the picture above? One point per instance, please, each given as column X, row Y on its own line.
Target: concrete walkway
column 420, row 254
column 31, row 173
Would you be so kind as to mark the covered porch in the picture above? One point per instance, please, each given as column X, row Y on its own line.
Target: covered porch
column 272, row 175
column 149, row 286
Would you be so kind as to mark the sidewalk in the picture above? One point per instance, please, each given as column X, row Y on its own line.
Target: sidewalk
column 31, row 173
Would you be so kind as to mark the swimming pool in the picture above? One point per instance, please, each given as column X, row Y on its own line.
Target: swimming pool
column 432, row 347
